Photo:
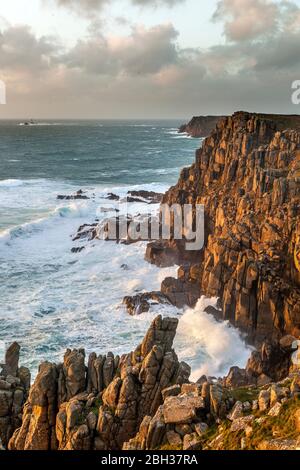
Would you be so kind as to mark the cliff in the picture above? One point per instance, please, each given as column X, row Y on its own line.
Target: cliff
column 200, row 126
column 247, row 175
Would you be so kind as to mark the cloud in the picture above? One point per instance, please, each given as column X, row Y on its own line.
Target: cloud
column 144, row 51
column 146, row 73
column 88, row 6
column 92, row 7
column 19, row 48
column 247, row 19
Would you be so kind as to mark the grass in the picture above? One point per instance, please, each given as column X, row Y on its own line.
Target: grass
column 279, row 427
column 244, row 394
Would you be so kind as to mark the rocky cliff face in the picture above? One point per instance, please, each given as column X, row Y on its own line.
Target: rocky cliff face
column 200, row 126
column 247, row 175
column 74, row 407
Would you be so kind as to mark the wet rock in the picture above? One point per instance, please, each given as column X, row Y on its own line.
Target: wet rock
column 113, row 197
column 74, row 197
column 142, row 196
column 141, row 303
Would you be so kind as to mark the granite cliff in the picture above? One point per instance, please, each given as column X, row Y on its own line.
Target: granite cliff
column 247, row 175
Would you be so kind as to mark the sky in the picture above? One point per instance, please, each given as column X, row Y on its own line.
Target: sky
column 97, row 59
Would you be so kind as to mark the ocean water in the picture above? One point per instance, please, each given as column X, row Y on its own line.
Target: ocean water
column 50, row 298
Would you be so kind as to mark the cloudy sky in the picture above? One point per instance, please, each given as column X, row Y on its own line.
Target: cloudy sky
column 148, row 58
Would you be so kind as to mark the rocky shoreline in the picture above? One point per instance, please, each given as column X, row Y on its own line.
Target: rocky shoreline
column 247, row 175
column 144, row 401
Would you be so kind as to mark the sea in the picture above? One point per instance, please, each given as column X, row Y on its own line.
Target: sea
column 52, row 299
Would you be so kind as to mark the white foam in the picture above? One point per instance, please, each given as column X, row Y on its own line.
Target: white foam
column 11, row 183
column 211, row 347
column 64, row 300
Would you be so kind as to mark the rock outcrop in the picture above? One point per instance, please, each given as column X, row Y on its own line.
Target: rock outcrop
column 247, row 175
column 14, row 388
column 101, row 406
column 200, row 126
column 212, row 416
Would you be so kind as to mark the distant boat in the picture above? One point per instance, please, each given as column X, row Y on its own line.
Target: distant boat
column 31, row 122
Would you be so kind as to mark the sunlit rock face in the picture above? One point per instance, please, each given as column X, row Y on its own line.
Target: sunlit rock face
column 247, row 175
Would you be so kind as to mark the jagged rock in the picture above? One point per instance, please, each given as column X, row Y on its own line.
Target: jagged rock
column 236, row 412
column 12, row 360
column 60, row 412
column 217, row 404
column 14, row 387
column 277, row 393
column 263, row 379
column 38, row 425
column 74, row 372
column 237, row 378
column 141, row 303
column 182, row 409
column 171, row 391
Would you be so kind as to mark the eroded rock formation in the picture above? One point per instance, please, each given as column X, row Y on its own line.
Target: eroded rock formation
column 74, row 407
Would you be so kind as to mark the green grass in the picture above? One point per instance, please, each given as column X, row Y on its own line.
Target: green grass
column 245, row 394
column 281, row 427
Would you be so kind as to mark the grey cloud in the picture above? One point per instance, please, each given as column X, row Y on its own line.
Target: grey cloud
column 147, row 74
column 19, row 48
column 91, row 7
column 143, row 52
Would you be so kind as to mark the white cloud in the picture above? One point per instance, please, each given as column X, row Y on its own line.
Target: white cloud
column 247, row 19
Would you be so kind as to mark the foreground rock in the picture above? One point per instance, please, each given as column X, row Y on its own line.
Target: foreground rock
column 74, row 407
column 14, row 388
column 247, row 175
